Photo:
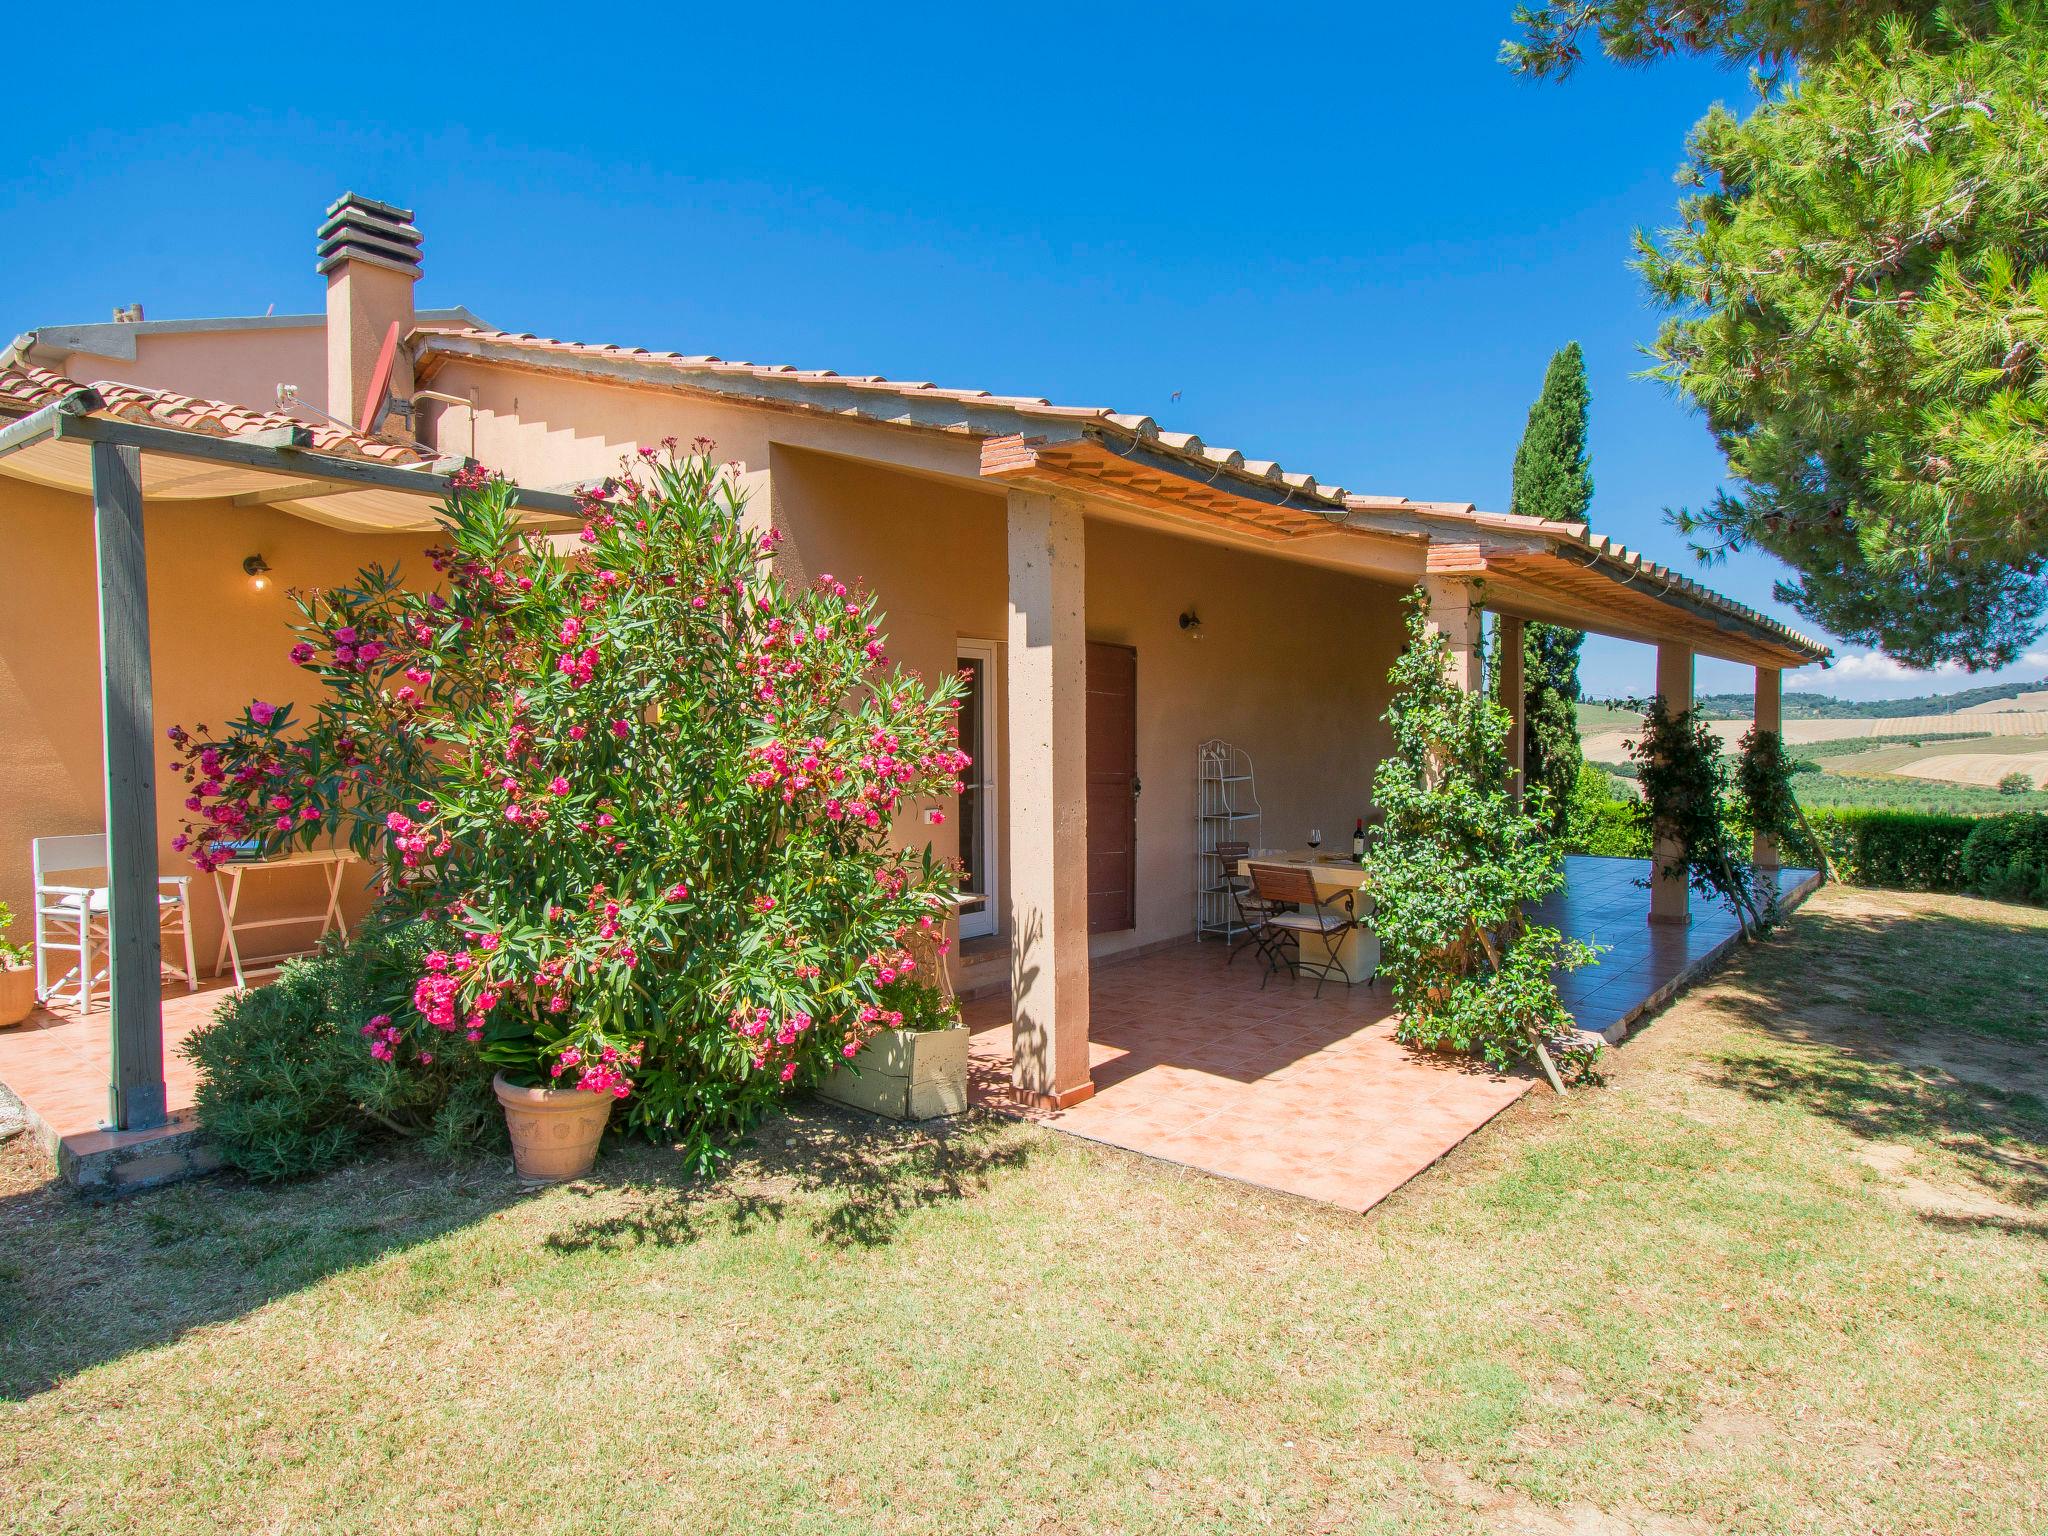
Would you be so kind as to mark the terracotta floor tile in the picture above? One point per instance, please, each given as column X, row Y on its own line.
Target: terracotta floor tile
column 1199, row 1064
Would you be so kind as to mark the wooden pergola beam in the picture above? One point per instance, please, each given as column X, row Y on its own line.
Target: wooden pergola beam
column 135, row 992
column 137, row 1098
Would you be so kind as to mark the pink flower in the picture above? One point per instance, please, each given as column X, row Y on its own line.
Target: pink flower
column 621, row 729
column 262, row 713
column 302, row 653
column 558, row 785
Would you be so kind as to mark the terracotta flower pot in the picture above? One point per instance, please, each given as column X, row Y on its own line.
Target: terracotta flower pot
column 555, row 1131
column 17, row 993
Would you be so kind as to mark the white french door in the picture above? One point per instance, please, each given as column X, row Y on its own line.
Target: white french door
column 976, row 814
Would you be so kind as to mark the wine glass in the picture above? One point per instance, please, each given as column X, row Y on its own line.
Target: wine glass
column 1315, row 838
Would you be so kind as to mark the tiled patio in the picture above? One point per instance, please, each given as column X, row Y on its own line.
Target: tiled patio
column 1196, row 1063
column 58, row 1062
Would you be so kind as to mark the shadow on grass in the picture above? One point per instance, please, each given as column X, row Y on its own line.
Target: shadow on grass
column 872, row 1176
column 1999, row 1138
column 84, row 1283
column 1909, row 1026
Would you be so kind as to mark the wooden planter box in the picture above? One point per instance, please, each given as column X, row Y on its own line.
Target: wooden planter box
column 906, row 1075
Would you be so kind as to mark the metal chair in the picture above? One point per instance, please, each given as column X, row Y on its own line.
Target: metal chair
column 1253, row 915
column 72, row 918
column 1303, row 914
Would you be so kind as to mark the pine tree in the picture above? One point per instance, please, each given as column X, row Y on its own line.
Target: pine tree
column 1554, row 480
column 1856, row 281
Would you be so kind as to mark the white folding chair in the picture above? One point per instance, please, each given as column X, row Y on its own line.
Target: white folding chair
column 71, row 915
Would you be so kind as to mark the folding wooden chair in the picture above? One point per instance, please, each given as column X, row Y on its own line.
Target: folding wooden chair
column 1300, row 913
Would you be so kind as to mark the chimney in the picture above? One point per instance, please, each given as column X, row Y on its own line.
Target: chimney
column 370, row 256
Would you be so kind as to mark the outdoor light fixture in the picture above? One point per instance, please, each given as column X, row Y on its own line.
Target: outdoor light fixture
column 258, row 569
column 1191, row 624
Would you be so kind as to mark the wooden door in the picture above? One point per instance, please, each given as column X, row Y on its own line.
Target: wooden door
column 1112, row 787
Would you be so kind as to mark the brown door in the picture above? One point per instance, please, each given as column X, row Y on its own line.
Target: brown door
column 1112, row 787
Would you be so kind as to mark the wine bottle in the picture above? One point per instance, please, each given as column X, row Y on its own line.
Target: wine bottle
column 1358, row 841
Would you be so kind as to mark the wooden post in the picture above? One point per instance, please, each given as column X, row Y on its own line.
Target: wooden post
column 1508, row 635
column 1669, row 898
column 1768, row 717
column 136, row 1089
column 1046, row 799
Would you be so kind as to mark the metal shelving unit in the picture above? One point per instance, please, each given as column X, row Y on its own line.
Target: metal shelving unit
column 1226, row 811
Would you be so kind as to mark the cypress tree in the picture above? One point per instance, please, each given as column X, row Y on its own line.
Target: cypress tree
column 1554, row 480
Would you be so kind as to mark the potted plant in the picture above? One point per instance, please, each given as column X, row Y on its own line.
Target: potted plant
column 556, row 1120
column 17, row 975
column 916, row 1068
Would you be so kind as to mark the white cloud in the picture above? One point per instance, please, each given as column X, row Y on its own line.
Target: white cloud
column 1868, row 667
column 1872, row 674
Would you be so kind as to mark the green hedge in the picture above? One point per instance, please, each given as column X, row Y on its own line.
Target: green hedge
column 2007, row 857
column 2004, row 857
column 1902, row 850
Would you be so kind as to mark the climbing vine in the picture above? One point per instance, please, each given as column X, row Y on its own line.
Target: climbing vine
column 1688, row 798
column 1457, row 870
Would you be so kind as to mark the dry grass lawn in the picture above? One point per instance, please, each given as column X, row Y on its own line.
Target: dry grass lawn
column 1786, row 1273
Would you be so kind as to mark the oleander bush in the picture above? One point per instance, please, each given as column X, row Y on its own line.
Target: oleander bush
column 639, row 791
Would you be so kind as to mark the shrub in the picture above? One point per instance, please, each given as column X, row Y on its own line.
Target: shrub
column 1904, row 850
column 2016, row 783
column 2006, row 857
column 1457, row 867
column 645, row 788
column 288, row 1085
column 1601, row 822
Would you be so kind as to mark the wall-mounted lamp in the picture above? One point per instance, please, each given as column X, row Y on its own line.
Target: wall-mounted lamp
column 258, row 570
column 1191, row 624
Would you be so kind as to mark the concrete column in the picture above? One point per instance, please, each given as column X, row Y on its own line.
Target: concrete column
column 1769, row 717
column 1047, row 799
column 1454, row 612
column 1668, row 895
column 1508, row 634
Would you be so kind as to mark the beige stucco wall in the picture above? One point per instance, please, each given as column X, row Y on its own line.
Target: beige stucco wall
column 1292, row 667
column 1292, row 663
column 242, row 366
column 217, row 644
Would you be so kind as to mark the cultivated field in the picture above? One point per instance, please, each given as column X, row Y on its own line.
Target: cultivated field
column 1982, row 761
column 1605, row 745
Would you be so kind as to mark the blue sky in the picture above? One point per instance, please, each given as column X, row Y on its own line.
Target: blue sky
column 1346, row 237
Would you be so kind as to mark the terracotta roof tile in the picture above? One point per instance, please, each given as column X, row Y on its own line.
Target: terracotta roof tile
column 24, row 389
column 1211, row 459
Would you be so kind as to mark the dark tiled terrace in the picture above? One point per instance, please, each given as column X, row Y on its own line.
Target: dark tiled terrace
column 1197, row 1063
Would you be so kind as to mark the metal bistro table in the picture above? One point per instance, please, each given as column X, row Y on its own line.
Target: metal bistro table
column 227, row 889
column 1334, row 874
